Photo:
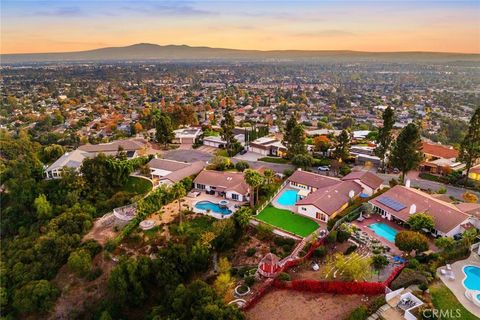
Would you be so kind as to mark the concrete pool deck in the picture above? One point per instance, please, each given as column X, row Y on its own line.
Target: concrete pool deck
column 456, row 286
column 280, row 206
column 363, row 225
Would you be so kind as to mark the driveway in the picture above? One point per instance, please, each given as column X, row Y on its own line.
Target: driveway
column 249, row 156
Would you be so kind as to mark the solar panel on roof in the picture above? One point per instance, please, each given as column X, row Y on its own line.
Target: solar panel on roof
column 395, row 205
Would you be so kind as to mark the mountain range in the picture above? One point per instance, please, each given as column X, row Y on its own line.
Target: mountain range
column 147, row 51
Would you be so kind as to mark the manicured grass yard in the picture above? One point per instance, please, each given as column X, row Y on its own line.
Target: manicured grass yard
column 288, row 221
column 138, row 185
column 444, row 299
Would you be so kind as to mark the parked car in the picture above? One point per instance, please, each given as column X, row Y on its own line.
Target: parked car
column 324, row 168
column 243, row 151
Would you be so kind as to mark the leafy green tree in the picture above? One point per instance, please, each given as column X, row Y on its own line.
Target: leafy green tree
column 43, row 207
column 52, row 152
column 406, row 152
column 228, row 135
column 385, row 138
column 35, row 296
column 419, row 221
column 254, row 179
column 164, row 129
column 294, row 138
column 407, row 241
column 242, row 217
column 220, row 163
column 224, row 234
column 303, row 161
column 354, row 267
column 80, row 262
column 342, row 147
column 470, row 146
column 445, row 243
column 269, row 175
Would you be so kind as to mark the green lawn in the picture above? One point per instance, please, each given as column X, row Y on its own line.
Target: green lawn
column 288, row 221
column 273, row 160
column 138, row 185
column 444, row 299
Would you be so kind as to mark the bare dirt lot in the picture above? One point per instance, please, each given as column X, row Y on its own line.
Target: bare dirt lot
column 294, row 305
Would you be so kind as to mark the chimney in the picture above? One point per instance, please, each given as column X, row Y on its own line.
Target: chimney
column 413, row 209
column 407, row 183
column 351, row 194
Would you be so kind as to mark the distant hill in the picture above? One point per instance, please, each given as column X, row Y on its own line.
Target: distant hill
column 146, row 51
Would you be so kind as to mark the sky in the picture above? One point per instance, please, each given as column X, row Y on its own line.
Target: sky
column 410, row 25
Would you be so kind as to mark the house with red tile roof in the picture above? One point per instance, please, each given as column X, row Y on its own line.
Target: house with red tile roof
column 401, row 202
column 439, row 159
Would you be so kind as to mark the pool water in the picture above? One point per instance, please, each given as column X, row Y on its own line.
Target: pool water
column 214, row 207
column 288, row 197
column 472, row 280
column 384, row 230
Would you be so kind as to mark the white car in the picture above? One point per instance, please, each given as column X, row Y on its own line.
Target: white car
column 324, row 168
column 315, row 266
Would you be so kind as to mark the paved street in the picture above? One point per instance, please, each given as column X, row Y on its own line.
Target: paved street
column 197, row 155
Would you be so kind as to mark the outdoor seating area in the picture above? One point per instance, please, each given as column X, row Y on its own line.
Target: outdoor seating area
column 125, row 213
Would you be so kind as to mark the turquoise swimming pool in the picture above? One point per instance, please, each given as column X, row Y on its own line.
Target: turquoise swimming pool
column 472, row 278
column 288, row 197
column 384, row 230
column 214, row 207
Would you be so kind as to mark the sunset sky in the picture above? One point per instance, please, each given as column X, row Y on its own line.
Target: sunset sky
column 73, row 25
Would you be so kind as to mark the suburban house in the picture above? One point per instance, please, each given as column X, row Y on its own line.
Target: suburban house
column 474, row 173
column 74, row 159
column 369, row 182
column 229, row 185
column 218, row 142
column 268, row 146
column 439, row 159
column 322, row 197
column 163, row 171
column 364, row 155
column 400, row 202
column 187, row 135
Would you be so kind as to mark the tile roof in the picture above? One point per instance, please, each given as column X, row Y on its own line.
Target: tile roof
column 439, row 150
column 446, row 216
column 312, row 179
column 331, row 198
column 368, row 178
column 223, row 181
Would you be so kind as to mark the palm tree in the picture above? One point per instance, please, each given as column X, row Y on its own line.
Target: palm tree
column 269, row 174
column 254, row 180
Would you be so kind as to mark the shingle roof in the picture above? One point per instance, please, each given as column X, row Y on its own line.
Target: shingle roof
column 446, row 216
column 368, row 178
column 189, row 170
column 312, row 179
column 168, row 165
column 71, row 159
column 222, row 180
column 127, row 145
column 331, row 198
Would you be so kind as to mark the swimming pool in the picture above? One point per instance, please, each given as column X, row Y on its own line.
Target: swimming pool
column 288, row 197
column 384, row 230
column 472, row 278
column 214, row 207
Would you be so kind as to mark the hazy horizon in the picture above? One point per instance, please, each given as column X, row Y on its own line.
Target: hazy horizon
column 372, row 26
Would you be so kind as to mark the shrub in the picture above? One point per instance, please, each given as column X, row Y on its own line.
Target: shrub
column 411, row 240
column 442, row 190
column 359, row 313
column 408, row 277
column 250, row 280
column 242, row 166
column 350, row 249
column 320, row 252
column 423, row 287
column 282, row 276
column 264, row 231
column 343, row 235
column 251, row 252
column 379, row 262
column 332, row 237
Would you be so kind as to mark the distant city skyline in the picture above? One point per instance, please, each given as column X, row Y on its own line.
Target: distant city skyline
column 60, row 26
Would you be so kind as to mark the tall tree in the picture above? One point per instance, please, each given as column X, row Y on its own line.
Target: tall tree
column 342, row 147
column 254, row 179
column 470, row 147
column 406, row 152
column 164, row 129
column 228, row 135
column 384, row 140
